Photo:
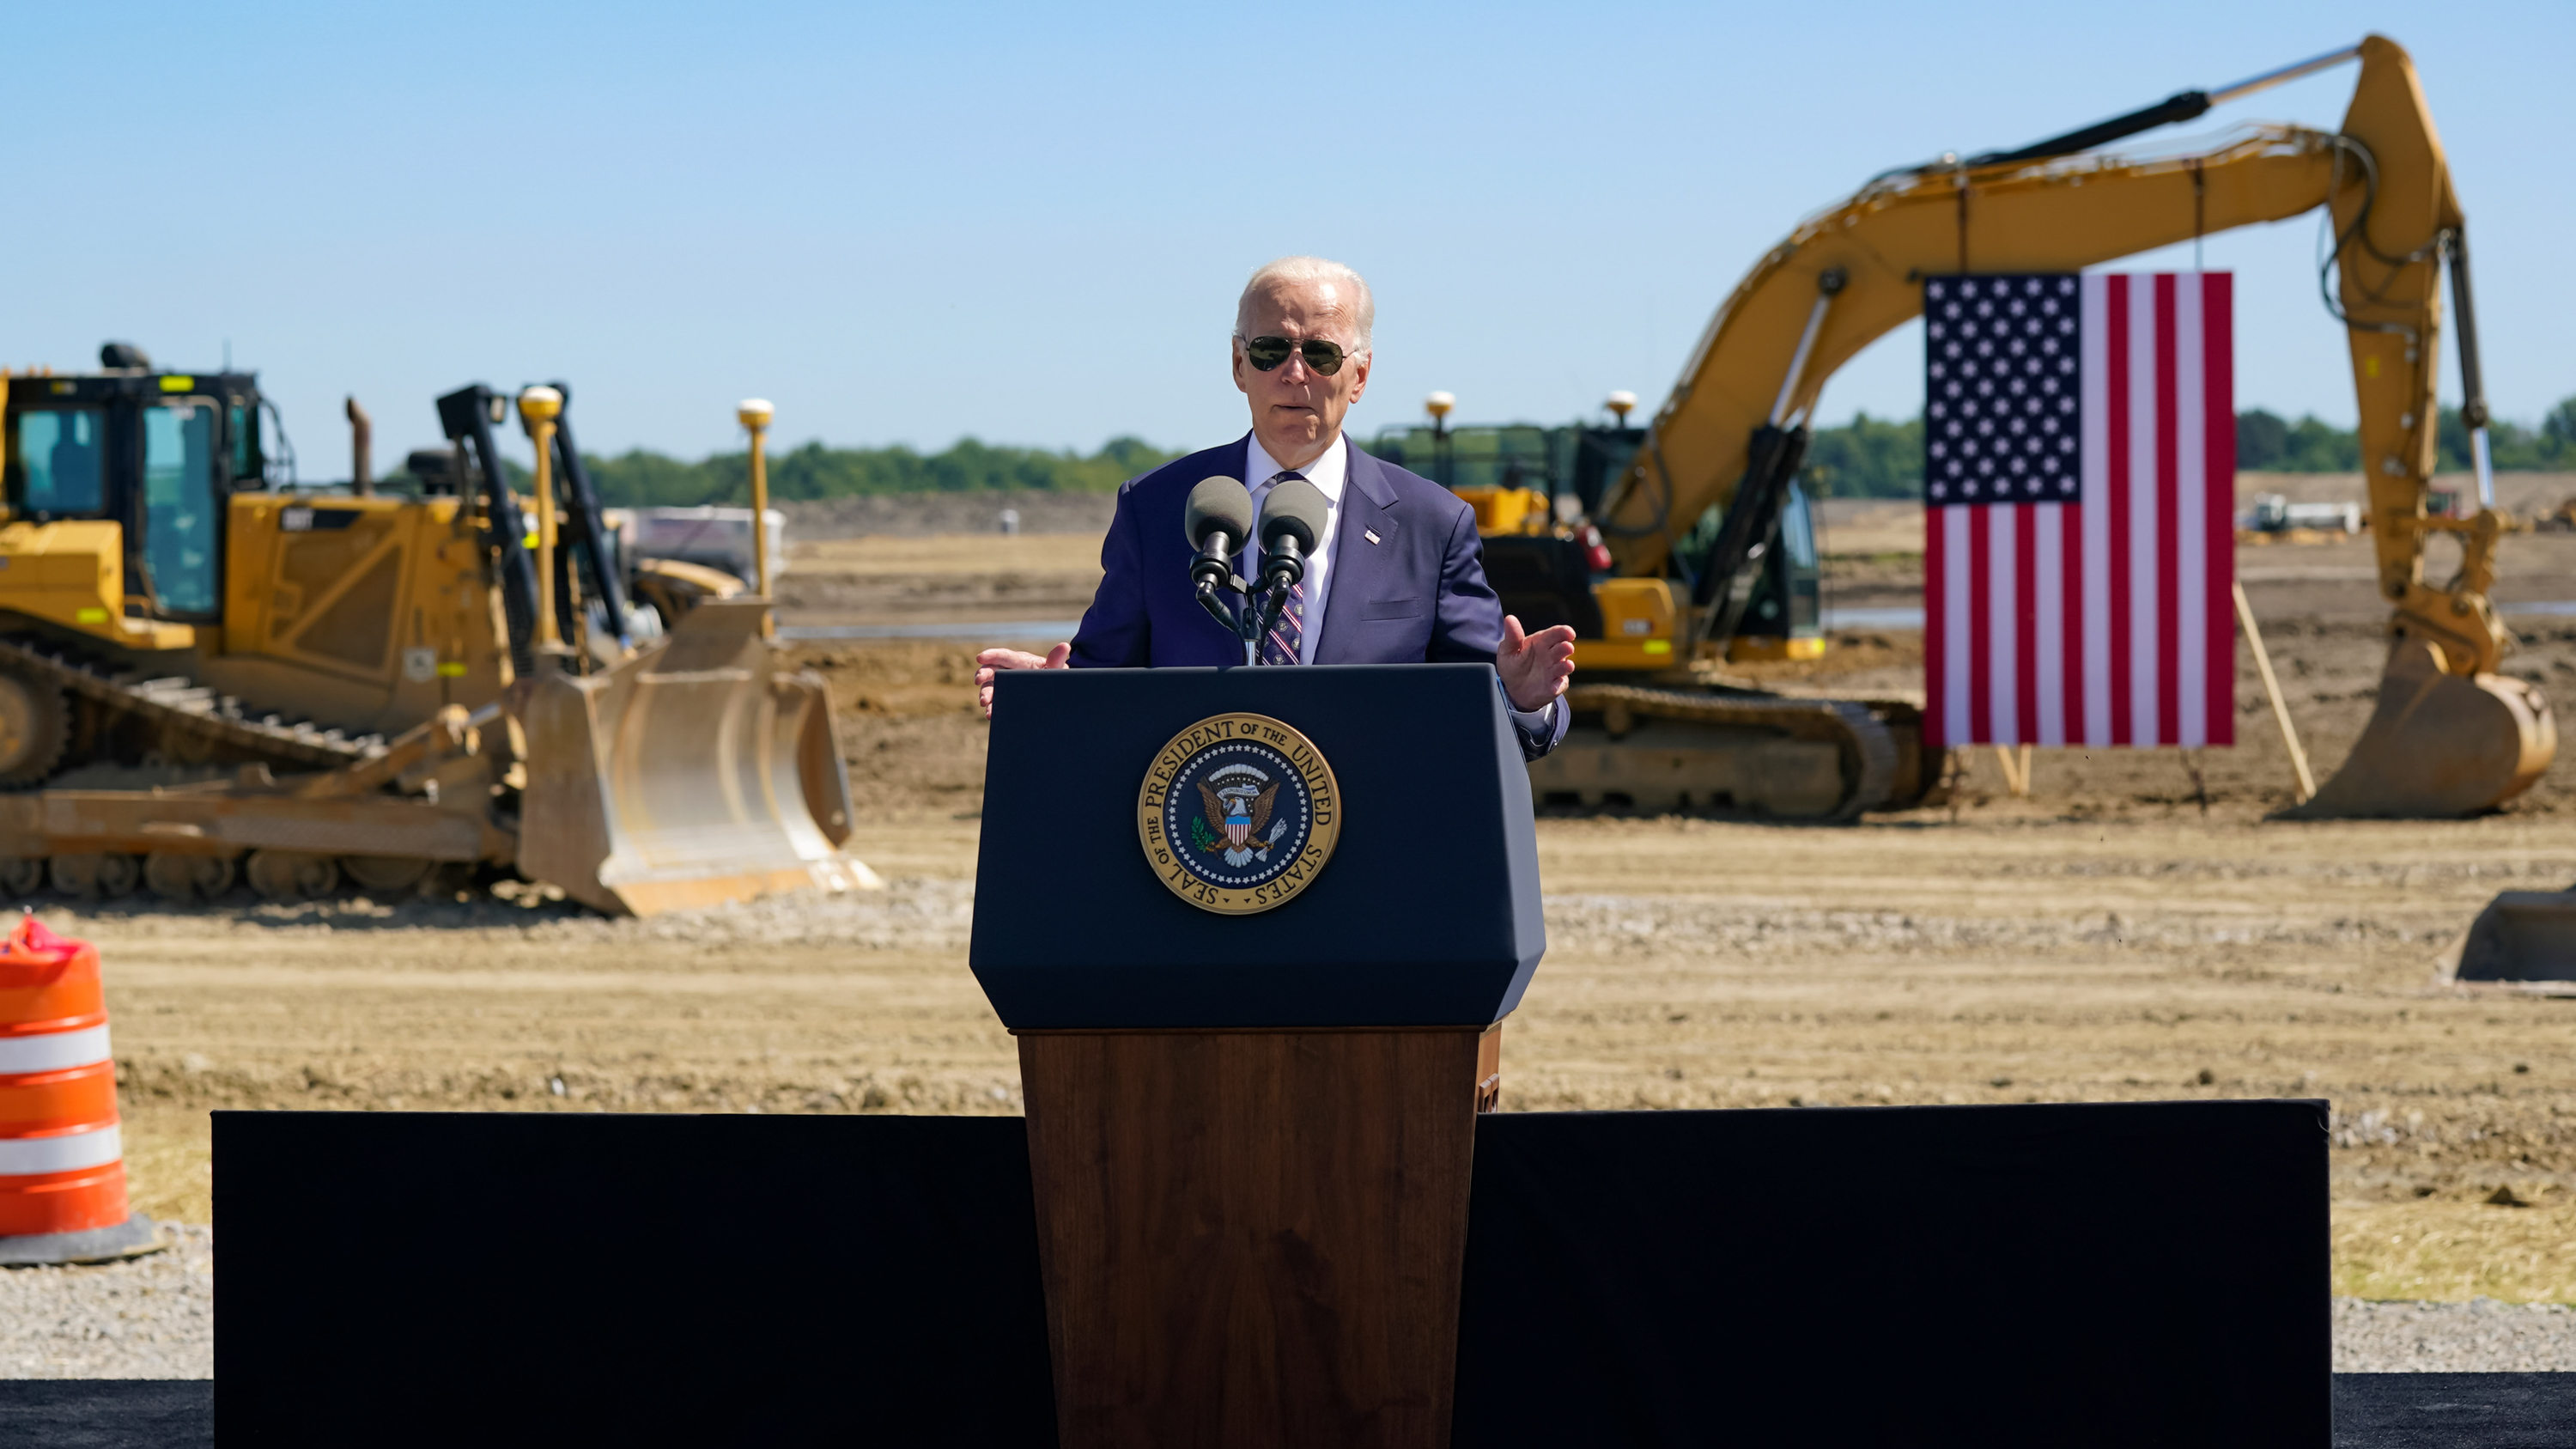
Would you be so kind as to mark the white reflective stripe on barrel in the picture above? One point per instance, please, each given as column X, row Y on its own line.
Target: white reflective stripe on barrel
column 69, row 1152
column 52, row 1051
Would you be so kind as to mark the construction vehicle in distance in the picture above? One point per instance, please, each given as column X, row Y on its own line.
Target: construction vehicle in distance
column 1657, row 726
column 658, row 588
column 1532, row 486
column 2274, row 513
column 1663, row 724
column 2275, row 521
column 205, row 671
column 2561, row 519
column 707, row 535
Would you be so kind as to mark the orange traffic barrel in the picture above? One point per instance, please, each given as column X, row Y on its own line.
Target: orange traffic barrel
column 62, row 1159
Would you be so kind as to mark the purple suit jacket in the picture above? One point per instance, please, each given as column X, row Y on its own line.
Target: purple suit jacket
column 1417, row 595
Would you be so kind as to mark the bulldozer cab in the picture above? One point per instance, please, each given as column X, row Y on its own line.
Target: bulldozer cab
column 156, row 454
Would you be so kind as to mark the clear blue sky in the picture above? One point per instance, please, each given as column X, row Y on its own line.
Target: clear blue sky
column 1028, row 224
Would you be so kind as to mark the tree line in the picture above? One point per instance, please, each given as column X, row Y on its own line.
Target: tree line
column 1878, row 458
column 1865, row 458
column 641, row 479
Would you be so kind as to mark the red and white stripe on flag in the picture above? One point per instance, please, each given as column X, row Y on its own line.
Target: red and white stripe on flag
column 2106, row 621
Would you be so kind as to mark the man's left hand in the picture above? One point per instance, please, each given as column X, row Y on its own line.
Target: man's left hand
column 1536, row 666
column 993, row 661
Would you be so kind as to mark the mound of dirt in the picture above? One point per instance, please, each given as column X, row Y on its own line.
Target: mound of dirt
column 905, row 716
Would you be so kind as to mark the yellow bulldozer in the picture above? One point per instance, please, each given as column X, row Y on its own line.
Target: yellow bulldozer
column 1656, row 722
column 207, row 673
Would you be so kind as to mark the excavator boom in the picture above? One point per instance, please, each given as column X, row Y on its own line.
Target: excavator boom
column 2451, row 736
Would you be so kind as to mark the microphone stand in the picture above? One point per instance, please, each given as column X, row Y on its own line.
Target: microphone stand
column 1214, row 576
column 1213, row 573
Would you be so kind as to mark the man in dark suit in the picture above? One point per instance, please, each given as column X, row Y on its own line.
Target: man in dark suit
column 1398, row 575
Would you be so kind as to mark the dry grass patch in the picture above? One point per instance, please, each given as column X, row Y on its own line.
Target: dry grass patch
column 170, row 1165
column 2453, row 1250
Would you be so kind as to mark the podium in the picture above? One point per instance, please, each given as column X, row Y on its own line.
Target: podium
column 1255, row 931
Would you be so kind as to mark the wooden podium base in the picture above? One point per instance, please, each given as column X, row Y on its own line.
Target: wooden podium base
column 1254, row 1238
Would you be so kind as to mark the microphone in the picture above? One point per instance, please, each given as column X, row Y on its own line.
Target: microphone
column 1292, row 518
column 1218, row 521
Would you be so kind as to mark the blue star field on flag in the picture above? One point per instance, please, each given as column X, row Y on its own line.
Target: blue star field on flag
column 2003, row 416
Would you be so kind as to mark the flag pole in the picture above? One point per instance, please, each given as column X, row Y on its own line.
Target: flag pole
column 2272, row 687
column 2016, row 776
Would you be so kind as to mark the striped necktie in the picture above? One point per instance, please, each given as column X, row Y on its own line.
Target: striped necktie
column 1281, row 643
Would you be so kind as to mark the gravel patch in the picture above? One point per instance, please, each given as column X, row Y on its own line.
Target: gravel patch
column 144, row 1318
column 2481, row 1336
column 914, row 913
column 154, row 1318
column 926, row 913
column 1735, row 931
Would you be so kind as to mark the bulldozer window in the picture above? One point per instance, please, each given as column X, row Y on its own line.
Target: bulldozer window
column 249, row 459
column 58, row 457
column 179, row 505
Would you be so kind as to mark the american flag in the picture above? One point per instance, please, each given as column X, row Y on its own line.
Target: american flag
column 2078, row 481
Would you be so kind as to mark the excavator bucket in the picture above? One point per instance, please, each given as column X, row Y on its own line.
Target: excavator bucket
column 2439, row 744
column 694, row 773
column 2525, row 939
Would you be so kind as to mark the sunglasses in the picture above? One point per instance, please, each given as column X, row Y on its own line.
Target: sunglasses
column 1265, row 353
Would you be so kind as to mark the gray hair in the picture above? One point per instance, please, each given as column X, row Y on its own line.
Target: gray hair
column 1306, row 271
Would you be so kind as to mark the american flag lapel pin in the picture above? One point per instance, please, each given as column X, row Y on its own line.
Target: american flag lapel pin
column 1369, row 533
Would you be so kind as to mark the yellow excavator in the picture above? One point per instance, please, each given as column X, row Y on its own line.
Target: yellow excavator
column 208, row 673
column 2449, row 736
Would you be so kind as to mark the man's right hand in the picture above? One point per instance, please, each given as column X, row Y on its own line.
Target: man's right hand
column 994, row 661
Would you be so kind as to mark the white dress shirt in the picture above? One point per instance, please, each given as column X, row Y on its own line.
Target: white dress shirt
column 1331, row 473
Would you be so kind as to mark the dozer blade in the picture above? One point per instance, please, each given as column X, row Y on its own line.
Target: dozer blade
column 695, row 773
column 2524, row 938
column 2439, row 744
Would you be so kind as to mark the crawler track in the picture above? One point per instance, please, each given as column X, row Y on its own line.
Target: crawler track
column 1868, row 746
column 182, row 705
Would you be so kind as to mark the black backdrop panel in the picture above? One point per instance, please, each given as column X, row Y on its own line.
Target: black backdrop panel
column 524, row 1278
column 2116, row 1274
column 2135, row 1273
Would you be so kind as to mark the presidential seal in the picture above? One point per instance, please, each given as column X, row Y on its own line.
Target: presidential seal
column 1238, row 813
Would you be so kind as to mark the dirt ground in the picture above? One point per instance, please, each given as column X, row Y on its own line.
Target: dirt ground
column 2014, row 955
column 2108, row 938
